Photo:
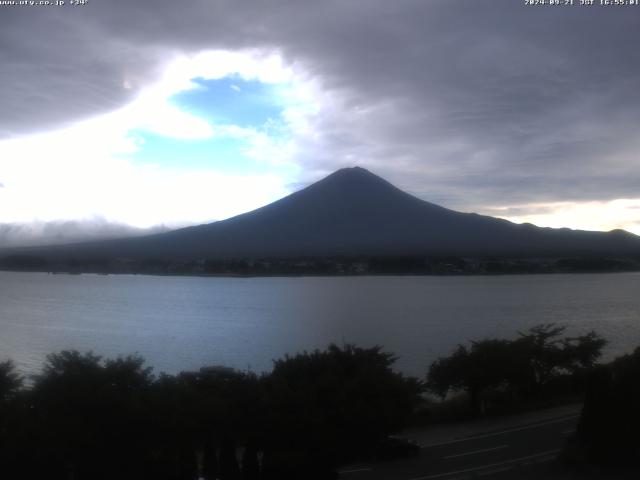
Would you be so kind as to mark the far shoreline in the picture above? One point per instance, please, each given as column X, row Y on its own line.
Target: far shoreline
column 321, row 275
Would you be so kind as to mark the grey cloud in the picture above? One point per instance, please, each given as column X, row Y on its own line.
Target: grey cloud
column 469, row 103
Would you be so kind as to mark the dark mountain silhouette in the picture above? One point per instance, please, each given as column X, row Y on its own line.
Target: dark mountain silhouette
column 354, row 212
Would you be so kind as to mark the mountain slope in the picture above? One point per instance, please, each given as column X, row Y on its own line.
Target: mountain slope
column 354, row 212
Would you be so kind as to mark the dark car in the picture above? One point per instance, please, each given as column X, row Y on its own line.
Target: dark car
column 392, row 448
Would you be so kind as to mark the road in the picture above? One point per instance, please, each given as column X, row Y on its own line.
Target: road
column 479, row 455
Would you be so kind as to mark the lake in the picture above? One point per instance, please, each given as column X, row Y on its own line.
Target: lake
column 180, row 323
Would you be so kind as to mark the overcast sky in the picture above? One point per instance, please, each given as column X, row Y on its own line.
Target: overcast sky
column 180, row 112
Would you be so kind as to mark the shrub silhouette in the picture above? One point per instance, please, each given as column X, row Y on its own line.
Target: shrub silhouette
column 85, row 417
column 339, row 400
column 524, row 367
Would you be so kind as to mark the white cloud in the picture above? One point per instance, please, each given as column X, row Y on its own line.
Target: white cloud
column 82, row 171
column 605, row 216
column 50, row 177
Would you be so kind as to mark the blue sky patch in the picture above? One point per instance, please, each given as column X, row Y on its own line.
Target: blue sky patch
column 232, row 101
column 227, row 101
column 220, row 153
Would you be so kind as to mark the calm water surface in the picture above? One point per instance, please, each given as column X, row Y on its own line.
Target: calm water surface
column 180, row 323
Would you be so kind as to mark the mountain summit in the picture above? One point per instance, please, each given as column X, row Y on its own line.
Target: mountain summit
column 354, row 212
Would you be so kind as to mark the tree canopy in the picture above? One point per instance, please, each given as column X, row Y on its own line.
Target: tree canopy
column 524, row 366
column 86, row 417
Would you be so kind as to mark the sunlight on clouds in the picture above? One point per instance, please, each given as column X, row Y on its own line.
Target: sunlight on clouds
column 83, row 171
column 153, row 112
column 118, row 190
column 177, row 198
column 258, row 145
column 604, row 216
column 167, row 120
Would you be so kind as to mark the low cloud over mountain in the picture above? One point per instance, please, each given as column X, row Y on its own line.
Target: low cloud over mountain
column 67, row 231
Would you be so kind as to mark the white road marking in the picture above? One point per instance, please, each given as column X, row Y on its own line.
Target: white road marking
column 568, row 432
column 502, row 432
column 476, row 451
column 355, row 470
column 493, row 471
column 484, row 467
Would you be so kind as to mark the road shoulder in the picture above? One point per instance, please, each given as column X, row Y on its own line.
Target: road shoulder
column 433, row 435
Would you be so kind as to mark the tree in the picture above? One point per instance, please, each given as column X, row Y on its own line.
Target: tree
column 545, row 352
column 250, row 463
column 489, row 364
column 523, row 366
column 551, row 356
column 328, row 405
column 12, row 439
column 92, row 415
column 229, row 468
column 10, row 381
column 446, row 373
column 583, row 351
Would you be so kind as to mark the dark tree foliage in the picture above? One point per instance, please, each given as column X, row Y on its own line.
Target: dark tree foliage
column 10, row 384
column 488, row 364
column 229, row 467
column 583, row 351
column 84, row 417
column 10, row 381
column 522, row 367
column 610, row 420
column 336, row 401
column 90, row 417
column 550, row 356
column 209, row 411
column 250, row 463
column 447, row 373
column 545, row 352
